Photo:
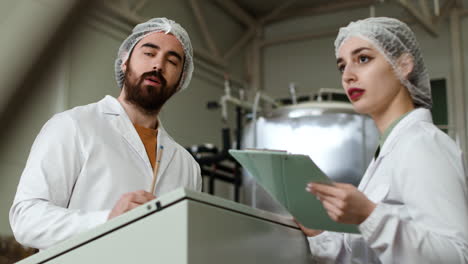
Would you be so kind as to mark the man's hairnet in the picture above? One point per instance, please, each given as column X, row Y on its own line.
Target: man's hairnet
column 152, row 26
column 393, row 38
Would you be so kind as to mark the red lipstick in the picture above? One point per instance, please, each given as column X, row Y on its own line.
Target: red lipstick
column 355, row 93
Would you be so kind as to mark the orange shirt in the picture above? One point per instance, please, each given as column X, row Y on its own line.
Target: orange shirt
column 149, row 137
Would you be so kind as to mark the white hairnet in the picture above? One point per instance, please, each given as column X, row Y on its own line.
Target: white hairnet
column 393, row 38
column 151, row 26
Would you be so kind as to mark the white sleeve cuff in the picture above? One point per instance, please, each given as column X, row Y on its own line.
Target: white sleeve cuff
column 97, row 218
column 326, row 245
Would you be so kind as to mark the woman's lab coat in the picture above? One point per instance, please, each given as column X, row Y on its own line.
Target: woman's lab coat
column 81, row 163
column 420, row 187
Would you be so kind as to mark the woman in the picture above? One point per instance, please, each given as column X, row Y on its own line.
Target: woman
column 412, row 203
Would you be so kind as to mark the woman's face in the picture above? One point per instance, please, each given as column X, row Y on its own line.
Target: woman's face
column 368, row 79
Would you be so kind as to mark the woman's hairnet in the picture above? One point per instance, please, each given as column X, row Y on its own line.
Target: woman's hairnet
column 393, row 38
column 151, row 26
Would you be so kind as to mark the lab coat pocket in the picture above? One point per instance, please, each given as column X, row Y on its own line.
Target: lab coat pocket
column 378, row 193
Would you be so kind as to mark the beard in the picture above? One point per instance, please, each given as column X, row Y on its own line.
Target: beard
column 147, row 98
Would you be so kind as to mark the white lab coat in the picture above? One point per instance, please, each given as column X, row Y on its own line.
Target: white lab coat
column 420, row 187
column 81, row 163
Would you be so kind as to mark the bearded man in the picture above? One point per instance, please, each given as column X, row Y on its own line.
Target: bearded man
column 95, row 162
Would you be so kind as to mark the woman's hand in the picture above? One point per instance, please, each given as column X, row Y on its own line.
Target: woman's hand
column 344, row 202
column 307, row 231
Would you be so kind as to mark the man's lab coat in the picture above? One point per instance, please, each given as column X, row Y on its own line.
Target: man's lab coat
column 81, row 163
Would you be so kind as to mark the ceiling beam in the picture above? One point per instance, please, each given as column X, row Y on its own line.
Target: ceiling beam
column 122, row 13
column 332, row 32
column 299, row 37
column 424, row 21
column 237, row 12
column 240, row 43
column 139, row 5
column 132, row 19
column 276, row 11
column 204, row 27
column 321, row 9
column 444, row 11
column 424, row 8
column 37, row 27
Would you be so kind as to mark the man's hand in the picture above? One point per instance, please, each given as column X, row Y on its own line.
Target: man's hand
column 344, row 202
column 129, row 201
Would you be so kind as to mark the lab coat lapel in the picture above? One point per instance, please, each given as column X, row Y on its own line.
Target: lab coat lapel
column 416, row 115
column 169, row 150
column 124, row 126
column 369, row 173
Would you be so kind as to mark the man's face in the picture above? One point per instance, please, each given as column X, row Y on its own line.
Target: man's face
column 153, row 71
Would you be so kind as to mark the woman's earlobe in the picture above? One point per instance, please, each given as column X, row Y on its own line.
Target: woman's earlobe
column 406, row 64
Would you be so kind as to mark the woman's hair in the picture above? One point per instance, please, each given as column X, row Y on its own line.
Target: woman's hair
column 393, row 39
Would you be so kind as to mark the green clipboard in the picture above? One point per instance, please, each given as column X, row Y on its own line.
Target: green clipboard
column 285, row 176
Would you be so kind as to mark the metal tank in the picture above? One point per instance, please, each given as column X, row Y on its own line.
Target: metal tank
column 340, row 141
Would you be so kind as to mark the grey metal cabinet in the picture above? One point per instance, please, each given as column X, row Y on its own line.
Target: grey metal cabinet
column 185, row 227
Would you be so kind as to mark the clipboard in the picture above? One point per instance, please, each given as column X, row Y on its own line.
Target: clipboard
column 285, row 176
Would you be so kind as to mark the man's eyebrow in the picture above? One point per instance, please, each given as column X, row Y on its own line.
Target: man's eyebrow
column 171, row 52
column 151, row 45
column 175, row 54
column 354, row 52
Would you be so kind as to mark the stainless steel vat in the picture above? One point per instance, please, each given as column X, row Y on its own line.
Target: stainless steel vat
column 340, row 141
